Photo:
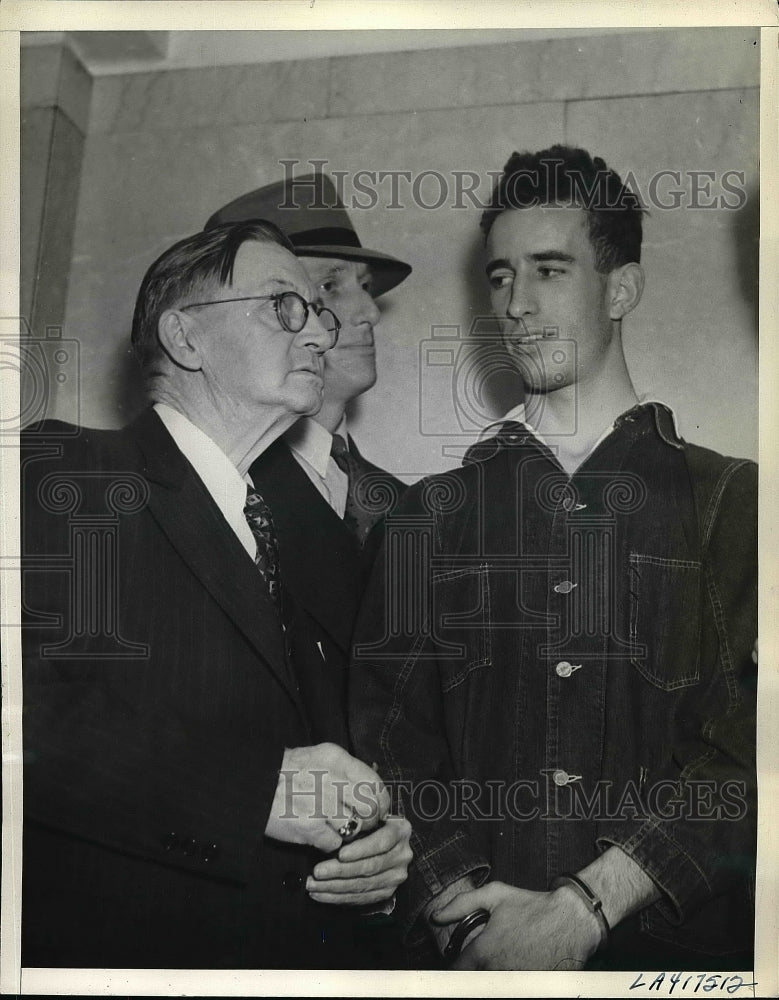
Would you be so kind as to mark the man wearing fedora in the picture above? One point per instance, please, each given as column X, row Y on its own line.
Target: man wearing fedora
column 324, row 495
column 326, row 498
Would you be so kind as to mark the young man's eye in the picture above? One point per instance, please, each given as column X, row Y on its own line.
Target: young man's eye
column 500, row 279
column 551, row 272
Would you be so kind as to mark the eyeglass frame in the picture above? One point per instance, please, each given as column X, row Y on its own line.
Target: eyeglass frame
column 276, row 298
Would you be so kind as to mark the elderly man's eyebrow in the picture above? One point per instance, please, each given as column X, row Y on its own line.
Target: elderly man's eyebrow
column 282, row 282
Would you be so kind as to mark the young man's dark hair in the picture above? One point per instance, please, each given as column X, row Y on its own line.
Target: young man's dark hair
column 564, row 175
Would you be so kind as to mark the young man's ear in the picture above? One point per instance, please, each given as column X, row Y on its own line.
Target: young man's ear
column 176, row 330
column 625, row 287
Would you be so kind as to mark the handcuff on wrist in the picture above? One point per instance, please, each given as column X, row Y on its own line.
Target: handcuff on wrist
column 591, row 899
column 468, row 923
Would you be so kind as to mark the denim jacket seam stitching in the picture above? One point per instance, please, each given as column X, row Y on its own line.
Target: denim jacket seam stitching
column 393, row 715
column 454, row 682
column 655, row 825
column 725, row 657
column 712, row 508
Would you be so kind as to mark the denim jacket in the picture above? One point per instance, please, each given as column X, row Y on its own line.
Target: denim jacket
column 547, row 665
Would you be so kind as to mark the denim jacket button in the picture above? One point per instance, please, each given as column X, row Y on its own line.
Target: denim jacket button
column 560, row 778
column 565, row 587
column 565, row 669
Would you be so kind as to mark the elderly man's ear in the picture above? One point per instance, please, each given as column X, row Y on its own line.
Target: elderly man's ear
column 178, row 336
column 624, row 289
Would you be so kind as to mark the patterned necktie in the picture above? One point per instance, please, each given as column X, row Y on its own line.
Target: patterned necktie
column 357, row 517
column 260, row 520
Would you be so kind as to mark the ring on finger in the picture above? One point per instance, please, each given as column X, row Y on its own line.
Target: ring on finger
column 351, row 826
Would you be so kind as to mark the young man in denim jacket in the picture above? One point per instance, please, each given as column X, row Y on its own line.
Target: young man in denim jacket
column 565, row 703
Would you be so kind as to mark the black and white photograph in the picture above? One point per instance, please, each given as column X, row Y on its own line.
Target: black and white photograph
column 384, row 417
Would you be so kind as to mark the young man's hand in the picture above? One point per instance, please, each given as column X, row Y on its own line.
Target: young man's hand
column 526, row 930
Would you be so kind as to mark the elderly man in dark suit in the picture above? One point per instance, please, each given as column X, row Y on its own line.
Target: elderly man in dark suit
column 176, row 796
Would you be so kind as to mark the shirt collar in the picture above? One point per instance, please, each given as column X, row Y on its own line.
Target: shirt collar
column 312, row 442
column 220, row 477
column 665, row 420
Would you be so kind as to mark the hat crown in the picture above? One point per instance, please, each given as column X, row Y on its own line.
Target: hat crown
column 310, row 213
column 306, row 208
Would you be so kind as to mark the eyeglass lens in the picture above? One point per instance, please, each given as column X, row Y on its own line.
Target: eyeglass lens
column 293, row 313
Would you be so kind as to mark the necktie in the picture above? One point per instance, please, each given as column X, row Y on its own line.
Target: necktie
column 509, row 433
column 260, row 520
column 357, row 517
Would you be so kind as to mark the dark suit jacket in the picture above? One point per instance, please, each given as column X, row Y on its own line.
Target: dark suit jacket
column 325, row 571
column 158, row 704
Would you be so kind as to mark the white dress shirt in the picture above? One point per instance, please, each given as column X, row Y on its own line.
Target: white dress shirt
column 310, row 444
column 220, row 477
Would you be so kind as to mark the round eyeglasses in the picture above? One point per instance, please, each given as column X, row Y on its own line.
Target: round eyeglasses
column 291, row 310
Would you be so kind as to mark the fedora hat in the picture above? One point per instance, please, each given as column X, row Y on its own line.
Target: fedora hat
column 309, row 212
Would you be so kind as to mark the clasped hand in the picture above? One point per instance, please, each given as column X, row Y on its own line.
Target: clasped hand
column 526, row 930
column 322, row 787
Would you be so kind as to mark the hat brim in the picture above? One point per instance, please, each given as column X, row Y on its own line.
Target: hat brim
column 387, row 272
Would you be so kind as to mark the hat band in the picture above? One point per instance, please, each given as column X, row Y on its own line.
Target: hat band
column 326, row 237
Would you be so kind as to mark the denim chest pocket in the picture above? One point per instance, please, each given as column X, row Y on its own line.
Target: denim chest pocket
column 461, row 623
column 665, row 620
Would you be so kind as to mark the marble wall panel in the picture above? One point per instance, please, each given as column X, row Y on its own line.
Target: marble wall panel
column 35, row 145
column 640, row 62
column 51, row 76
column 693, row 338
column 217, row 96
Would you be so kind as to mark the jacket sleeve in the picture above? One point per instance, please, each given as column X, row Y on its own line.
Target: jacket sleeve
column 396, row 711
column 706, row 846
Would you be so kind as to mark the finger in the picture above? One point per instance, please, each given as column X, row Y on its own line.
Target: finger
column 464, row 904
column 347, row 823
column 385, row 881
column 473, row 935
column 323, row 838
column 398, row 857
column 385, row 802
column 369, row 800
column 355, row 899
column 395, row 832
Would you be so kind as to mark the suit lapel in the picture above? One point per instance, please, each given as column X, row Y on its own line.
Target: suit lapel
column 193, row 523
column 321, row 562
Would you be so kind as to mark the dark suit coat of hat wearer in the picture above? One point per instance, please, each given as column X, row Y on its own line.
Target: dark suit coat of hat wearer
column 325, row 570
column 150, row 768
column 321, row 563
